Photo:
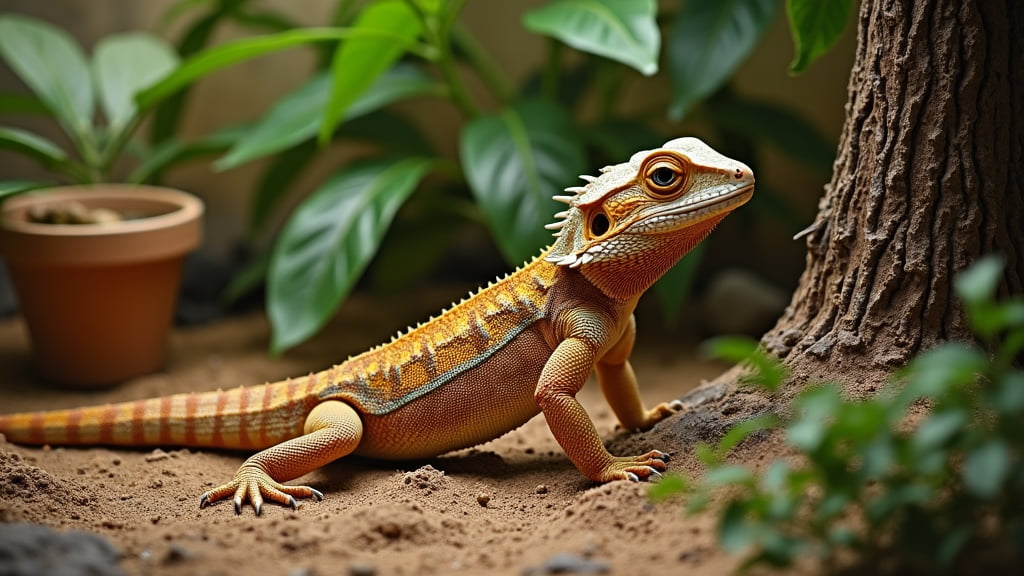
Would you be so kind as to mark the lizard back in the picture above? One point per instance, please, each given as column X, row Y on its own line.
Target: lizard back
column 426, row 357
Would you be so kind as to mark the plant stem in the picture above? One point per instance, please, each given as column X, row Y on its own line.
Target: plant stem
column 439, row 36
column 484, row 65
column 552, row 70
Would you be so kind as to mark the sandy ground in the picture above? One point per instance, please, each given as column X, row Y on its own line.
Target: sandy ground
column 515, row 505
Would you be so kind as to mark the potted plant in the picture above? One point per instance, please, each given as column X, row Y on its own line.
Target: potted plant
column 95, row 264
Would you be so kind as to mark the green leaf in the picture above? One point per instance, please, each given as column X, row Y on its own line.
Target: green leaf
column 744, row 430
column 942, row 369
column 734, row 349
column 358, row 62
column 31, row 145
column 217, row 57
column 124, row 64
column 53, row 66
column 978, row 282
column 789, row 132
column 708, row 41
column 22, row 105
column 707, row 454
column 735, row 533
column 729, row 475
column 621, row 30
column 819, row 406
column 12, row 187
column 951, row 545
column 328, row 241
column 986, row 468
column 1009, row 393
column 939, row 428
column 768, row 372
column 296, row 117
column 815, row 26
column 669, row 486
column 515, row 162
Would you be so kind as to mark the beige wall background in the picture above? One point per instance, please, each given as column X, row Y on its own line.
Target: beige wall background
column 245, row 92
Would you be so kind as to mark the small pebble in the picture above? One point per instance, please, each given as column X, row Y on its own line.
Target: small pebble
column 483, row 499
column 360, row 569
column 541, row 489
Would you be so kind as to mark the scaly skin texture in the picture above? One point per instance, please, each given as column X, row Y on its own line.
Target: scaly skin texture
column 522, row 345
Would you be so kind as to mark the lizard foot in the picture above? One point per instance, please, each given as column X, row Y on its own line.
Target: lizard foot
column 253, row 484
column 647, row 467
column 662, row 411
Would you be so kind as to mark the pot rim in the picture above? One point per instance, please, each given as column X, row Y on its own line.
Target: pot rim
column 174, row 229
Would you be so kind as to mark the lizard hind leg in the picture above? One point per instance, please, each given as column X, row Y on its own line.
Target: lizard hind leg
column 333, row 429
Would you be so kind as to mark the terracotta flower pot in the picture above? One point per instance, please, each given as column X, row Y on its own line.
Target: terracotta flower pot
column 98, row 299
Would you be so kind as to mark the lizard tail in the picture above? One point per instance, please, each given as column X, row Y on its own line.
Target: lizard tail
column 241, row 418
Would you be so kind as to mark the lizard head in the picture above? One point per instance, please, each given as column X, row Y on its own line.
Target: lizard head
column 629, row 225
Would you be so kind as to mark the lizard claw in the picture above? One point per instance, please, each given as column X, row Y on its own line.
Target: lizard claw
column 253, row 485
column 646, row 467
column 659, row 455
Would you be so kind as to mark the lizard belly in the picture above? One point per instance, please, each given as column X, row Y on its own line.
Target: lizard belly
column 477, row 405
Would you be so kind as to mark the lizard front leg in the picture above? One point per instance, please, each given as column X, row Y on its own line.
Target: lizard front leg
column 618, row 384
column 562, row 377
column 332, row 430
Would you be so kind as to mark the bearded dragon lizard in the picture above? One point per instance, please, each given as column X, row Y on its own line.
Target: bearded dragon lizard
column 522, row 345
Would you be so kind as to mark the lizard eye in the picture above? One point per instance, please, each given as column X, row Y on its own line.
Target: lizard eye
column 665, row 175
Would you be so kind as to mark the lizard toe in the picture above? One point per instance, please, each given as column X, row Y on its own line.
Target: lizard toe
column 255, row 487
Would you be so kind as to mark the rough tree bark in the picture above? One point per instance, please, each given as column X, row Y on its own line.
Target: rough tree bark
column 929, row 176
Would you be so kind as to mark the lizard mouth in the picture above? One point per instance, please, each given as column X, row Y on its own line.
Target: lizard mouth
column 716, row 202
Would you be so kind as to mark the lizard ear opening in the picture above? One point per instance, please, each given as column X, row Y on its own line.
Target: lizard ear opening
column 599, row 224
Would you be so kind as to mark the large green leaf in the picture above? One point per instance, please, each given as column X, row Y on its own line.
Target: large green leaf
column 124, row 64
column 622, row 30
column 515, row 162
column 329, row 240
column 53, row 66
column 296, row 117
column 815, row 26
column 359, row 61
column 708, row 41
column 776, row 125
column 221, row 56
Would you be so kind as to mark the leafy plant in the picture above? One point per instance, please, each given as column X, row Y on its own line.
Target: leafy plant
column 514, row 154
column 93, row 101
column 913, row 478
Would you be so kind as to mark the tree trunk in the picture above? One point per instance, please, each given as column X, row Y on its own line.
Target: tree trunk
column 929, row 176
